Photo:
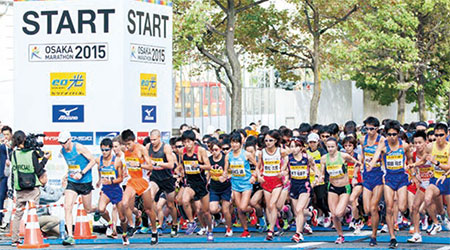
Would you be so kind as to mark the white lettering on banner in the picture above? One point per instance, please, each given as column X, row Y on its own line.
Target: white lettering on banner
column 147, row 54
column 59, row 21
column 148, row 24
column 65, row 52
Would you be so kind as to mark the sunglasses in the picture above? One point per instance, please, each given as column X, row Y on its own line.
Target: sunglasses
column 431, row 140
column 62, row 143
column 179, row 146
column 105, row 149
column 439, row 135
column 225, row 148
column 371, row 128
column 269, row 140
column 392, row 134
column 326, row 136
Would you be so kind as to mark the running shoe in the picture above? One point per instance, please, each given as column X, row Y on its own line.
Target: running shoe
column 384, row 229
column 125, row 240
column 245, row 234
column 357, row 230
column 109, row 231
column 253, row 218
column 209, row 236
column 446, row 223
column 155, row 239
column 159, row 231
column 97, row 216
column 130, row 231
column 269, row 236
column 286, row 225
column 174, row 231
column 393, row 244
column 229, row 232
column 297, row 238
column 327, row 222
column 416, row 238
column 307, row 229
column 351, row 225
column 143, row 230
column 434, row 229
column 15, row 243
column 191, row 228
column 373, row 242
column 114, row 235
column 424, row 222
column 314, row 220
column 340, row 240
column 202, row 231
column 68, row 241
column 411, row 229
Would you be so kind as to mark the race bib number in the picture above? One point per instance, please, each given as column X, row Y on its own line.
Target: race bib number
column 108, row 174
column 216, row 172
column 335, row 171
column 368, row 158
column 132, row 167
column 237, row 170
column 394, row 162
column 299, row 172
column 73, row 169
column 189, row 167
column 272, row 168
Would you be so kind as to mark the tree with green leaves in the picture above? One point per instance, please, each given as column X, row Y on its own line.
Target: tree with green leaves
column 222, row 31
column 300, row 37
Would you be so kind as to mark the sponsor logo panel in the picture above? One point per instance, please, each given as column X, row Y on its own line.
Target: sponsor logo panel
column 68, row 84
column 148, row 114
column 68, row 113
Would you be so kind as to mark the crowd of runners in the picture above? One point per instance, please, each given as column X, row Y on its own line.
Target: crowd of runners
column 377, row 174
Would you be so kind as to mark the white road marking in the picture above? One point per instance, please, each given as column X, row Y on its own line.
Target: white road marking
column 305, row 244
column 363, row 233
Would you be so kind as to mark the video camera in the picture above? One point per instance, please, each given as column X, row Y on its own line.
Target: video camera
column 32, row 143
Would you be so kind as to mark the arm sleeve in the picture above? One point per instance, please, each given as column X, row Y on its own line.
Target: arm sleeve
column 39, row 166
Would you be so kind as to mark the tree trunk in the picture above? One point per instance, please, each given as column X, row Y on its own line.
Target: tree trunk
column 235, row 75
column 317, row 82
column 401, row 105
column 421, row 102
column 448, row 107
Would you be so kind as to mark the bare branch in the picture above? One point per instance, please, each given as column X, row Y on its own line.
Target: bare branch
column 214, row 30
column 304, row 60
column 338, row 20
column 221, row 6
column 221, row 81
column 250, row 6
column 308, row 21
column 210, row 56
column 294, row 46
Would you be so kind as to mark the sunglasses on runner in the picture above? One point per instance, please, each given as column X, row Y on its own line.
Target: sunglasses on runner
column 179, row 146
column 371, row 128
column 105, row 149
column 225, row 148
column 269, row 140
column 439, row 135
column 392, row 134
column 326, row 136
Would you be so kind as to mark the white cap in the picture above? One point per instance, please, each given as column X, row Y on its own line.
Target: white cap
column 313, row 137
column 64, row 136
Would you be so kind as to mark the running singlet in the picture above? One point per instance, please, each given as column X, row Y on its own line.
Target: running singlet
column 442, row 157
column 108, row 172
column 298, row 170
column 191, row 166
column 159, row 173
column 351, row 170
column 337, row 168
column 216, row 172
column 271, row 163
column 137, row 171
column 394, row 161
column 316, row 155
column 240, row 167
column 76, row 162
column 369, row 152
column 425, row 171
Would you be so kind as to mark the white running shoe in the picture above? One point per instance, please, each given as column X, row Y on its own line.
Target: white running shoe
column 424, row 223
column 434, row 229
column 327, row 222
column 109, row 231
column 202, row 231
column 384, row 229
column 446, row 223
column 416, row 238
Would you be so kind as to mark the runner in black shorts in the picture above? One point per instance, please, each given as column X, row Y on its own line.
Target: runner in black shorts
column 195, row 162
column 162, row 174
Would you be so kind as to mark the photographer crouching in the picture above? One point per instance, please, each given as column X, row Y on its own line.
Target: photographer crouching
column 28, row 174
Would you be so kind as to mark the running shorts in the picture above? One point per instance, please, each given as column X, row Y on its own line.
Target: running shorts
column 224, row 195
column 80, row 188
column 167, row 185
column 444, row 187
column 271, row 182
column 347, row 189
column 139, row 185
column 370, row 181
column 113, row 192
column 396, row 181
column 299, row 187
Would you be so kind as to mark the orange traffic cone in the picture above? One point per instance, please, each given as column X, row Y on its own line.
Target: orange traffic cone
column 33, row 234
column 82, row 227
